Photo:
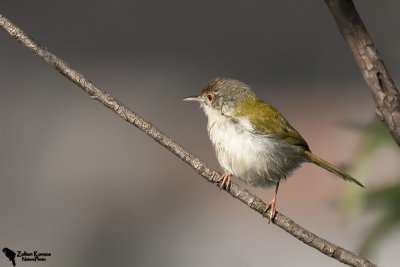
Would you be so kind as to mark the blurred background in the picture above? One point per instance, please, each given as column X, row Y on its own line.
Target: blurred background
column 81, row 183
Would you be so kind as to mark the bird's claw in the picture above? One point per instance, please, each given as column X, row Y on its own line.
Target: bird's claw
column 272, row 207
column 225, row 181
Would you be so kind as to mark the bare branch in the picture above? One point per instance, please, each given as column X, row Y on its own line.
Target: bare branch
column 243, row 195
column 377, row 77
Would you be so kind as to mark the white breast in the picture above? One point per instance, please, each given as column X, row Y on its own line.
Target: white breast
column 258, row 160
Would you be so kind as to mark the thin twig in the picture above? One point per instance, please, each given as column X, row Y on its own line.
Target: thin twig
column 377, row 77
column 243, row 195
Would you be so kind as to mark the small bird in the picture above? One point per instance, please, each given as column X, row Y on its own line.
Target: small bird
column 252, row 140
column 10, row 255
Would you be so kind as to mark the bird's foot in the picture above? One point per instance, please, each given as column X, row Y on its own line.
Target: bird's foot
column 225, row 181
column 271, row 206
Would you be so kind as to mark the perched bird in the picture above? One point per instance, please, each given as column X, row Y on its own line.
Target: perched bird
column 10, row 255
column 252, row 140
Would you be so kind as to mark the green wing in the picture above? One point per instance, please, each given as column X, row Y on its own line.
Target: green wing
column 267, row 120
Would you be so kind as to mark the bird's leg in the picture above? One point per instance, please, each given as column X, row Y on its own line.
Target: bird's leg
column 225, row 180
column 272, row 204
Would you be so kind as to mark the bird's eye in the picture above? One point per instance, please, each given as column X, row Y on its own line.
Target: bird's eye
column 209, row 97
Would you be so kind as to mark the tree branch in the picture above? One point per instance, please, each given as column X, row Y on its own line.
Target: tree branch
column 243, row 195
column 377, row 77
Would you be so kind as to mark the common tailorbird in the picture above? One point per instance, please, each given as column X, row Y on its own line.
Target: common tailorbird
column 252, row 140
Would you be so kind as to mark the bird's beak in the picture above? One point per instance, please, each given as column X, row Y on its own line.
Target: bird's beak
column 193, row 98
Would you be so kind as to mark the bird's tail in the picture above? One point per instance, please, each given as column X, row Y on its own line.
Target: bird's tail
column 329, row 167
column 13, row 262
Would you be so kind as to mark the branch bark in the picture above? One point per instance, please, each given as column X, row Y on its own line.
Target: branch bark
column 377, row 77
column 252, row 201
